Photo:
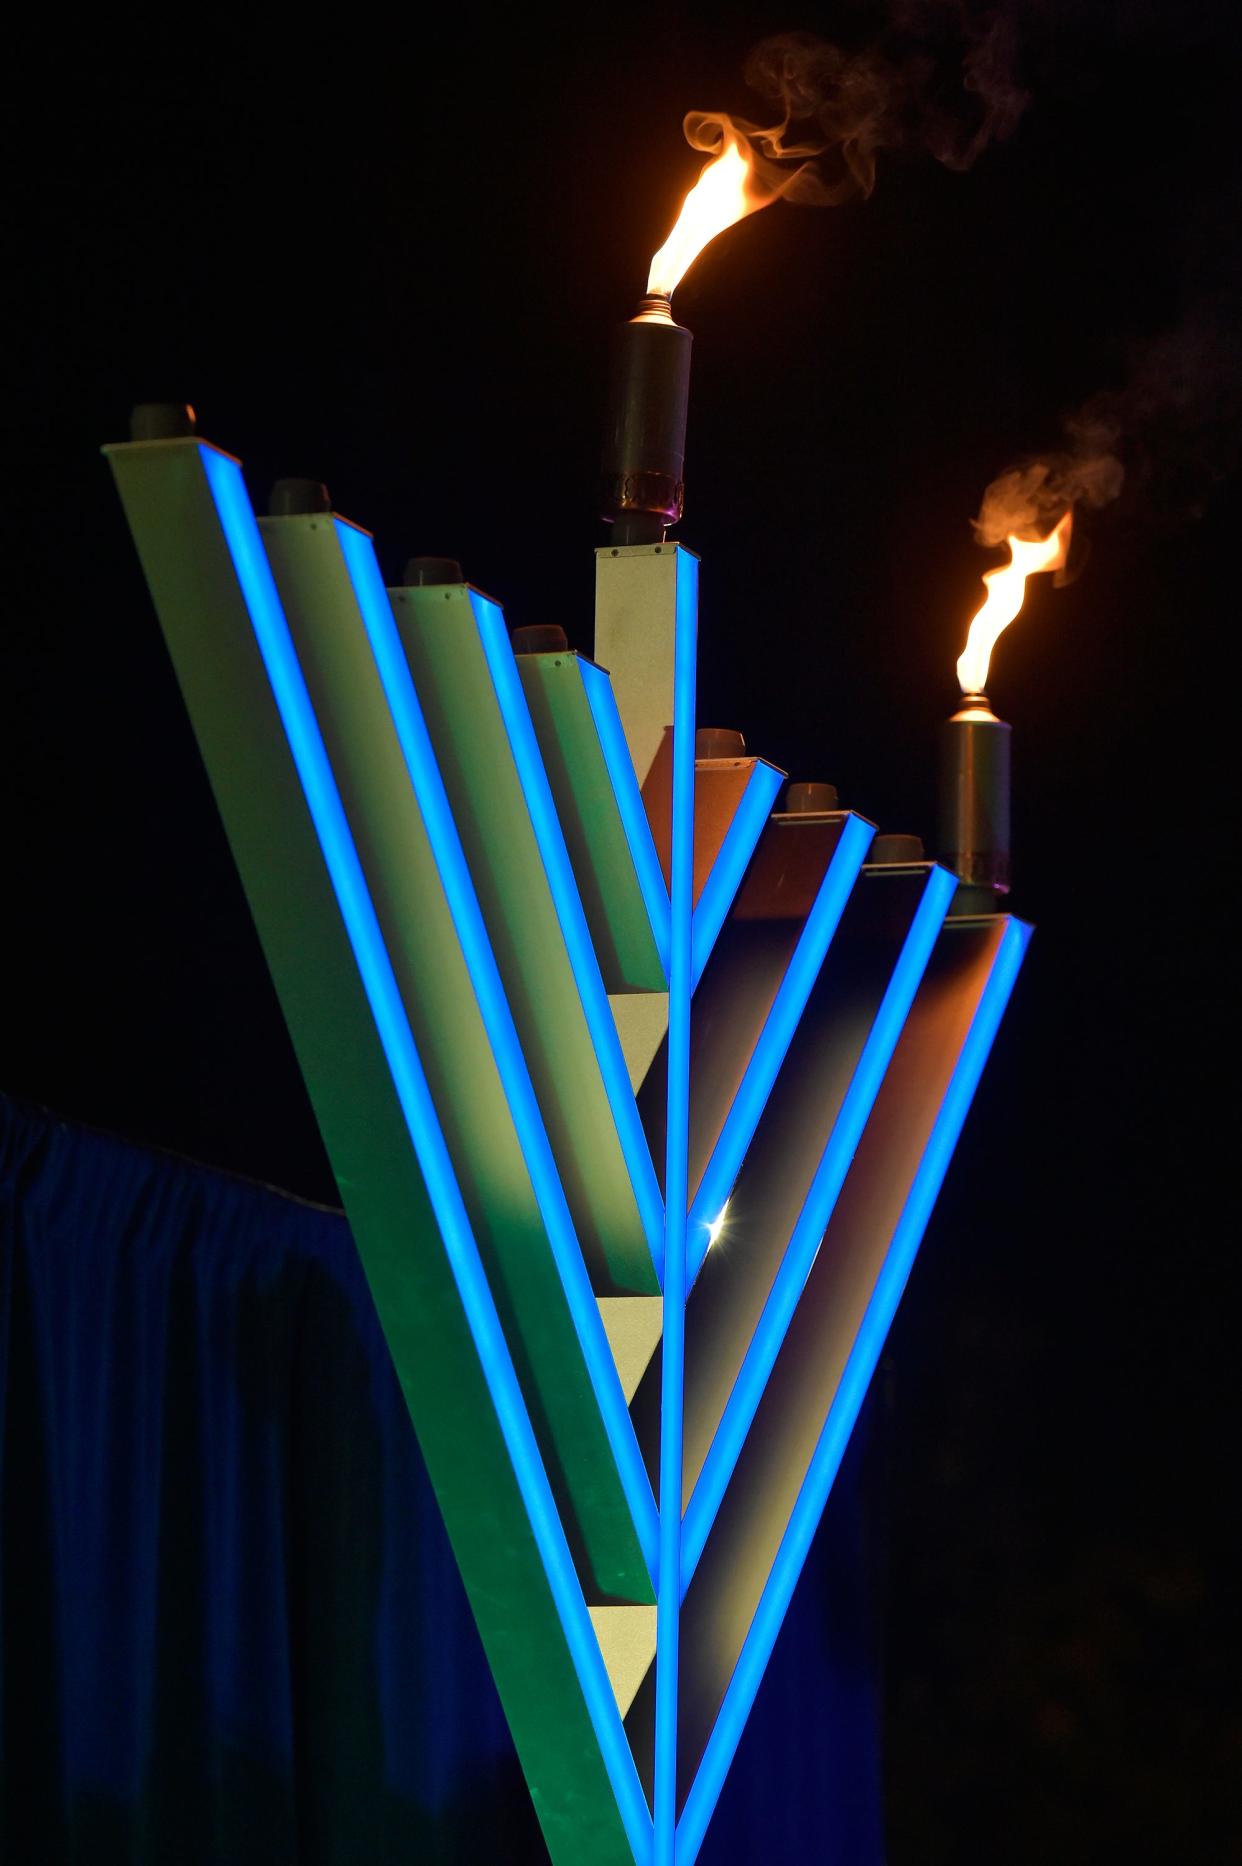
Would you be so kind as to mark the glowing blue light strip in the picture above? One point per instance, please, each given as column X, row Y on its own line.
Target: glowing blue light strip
column 620, row 766
column 795, row 1267
column 732, row 860
column 411, row 729
column 362, row 926
column 855, row 1378
column 676, row 1172
column 507, row 683
column 777, row 1034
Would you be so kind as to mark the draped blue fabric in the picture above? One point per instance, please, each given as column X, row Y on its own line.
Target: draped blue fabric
column 231, row 1629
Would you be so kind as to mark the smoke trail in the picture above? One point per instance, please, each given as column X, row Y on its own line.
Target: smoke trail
column 915, row 88
column 1166, row 437
column 1027, row 501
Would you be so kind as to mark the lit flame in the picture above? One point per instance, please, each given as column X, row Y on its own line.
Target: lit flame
column 717, row 1225
column 723, row 194
column 1006, row 588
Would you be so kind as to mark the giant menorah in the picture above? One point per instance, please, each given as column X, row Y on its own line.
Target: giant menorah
column 638, row 1094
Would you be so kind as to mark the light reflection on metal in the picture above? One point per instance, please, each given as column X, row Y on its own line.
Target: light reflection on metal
column 717, row 1225
column 782, row 1020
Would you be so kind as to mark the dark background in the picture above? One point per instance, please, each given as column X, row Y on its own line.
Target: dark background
column 390, row 259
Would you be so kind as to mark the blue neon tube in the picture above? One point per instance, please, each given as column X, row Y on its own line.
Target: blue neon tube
column 732, row 860
column 676, row 1172
column 507, row 683
column 633, row 813
column 777, row 1034
column 856, row 1376
column 310, row 758
column 795, row 1267
column 411, row 729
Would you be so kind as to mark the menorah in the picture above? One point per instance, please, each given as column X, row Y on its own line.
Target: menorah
column 639, row 1094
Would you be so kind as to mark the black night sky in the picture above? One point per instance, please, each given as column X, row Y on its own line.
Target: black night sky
column 390, row 259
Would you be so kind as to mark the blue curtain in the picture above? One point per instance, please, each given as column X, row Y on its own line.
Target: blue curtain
column 231, row 1629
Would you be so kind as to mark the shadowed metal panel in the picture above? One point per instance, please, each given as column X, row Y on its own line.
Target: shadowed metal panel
column 750, row 1564
column 798, row 1132
column 752, row 996
column 803, row 1151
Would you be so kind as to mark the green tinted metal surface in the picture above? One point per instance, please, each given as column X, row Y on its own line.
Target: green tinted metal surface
column 197, row 597
column 439, row 998
column 594, row 835
column 472, row 747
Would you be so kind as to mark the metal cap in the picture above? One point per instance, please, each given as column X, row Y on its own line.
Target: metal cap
column 892, row 851
column 290, row 498
column 161, row 421
column 420, row 571
column 540, row 638
column 808, row 797
column 718, row 742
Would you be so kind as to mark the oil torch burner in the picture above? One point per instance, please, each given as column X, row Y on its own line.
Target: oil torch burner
column 974, row 744
column 642, row 489
column 974, row 803
column 645, row 433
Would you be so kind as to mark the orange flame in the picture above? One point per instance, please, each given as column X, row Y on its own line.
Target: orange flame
column 1006, row 588
column 724, row 194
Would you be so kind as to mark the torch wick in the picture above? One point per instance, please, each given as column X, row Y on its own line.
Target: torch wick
column 656, row 306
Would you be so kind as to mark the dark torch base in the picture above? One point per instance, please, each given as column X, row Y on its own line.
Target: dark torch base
column 643, row 462
column 974, row 804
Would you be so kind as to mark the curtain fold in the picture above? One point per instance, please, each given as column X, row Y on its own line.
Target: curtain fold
column 231, row 1628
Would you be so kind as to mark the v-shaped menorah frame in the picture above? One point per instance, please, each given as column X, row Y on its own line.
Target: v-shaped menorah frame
column 552, row 1020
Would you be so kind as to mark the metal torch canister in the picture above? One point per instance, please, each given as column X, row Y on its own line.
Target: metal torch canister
column 974, row 804
column 643, row 463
